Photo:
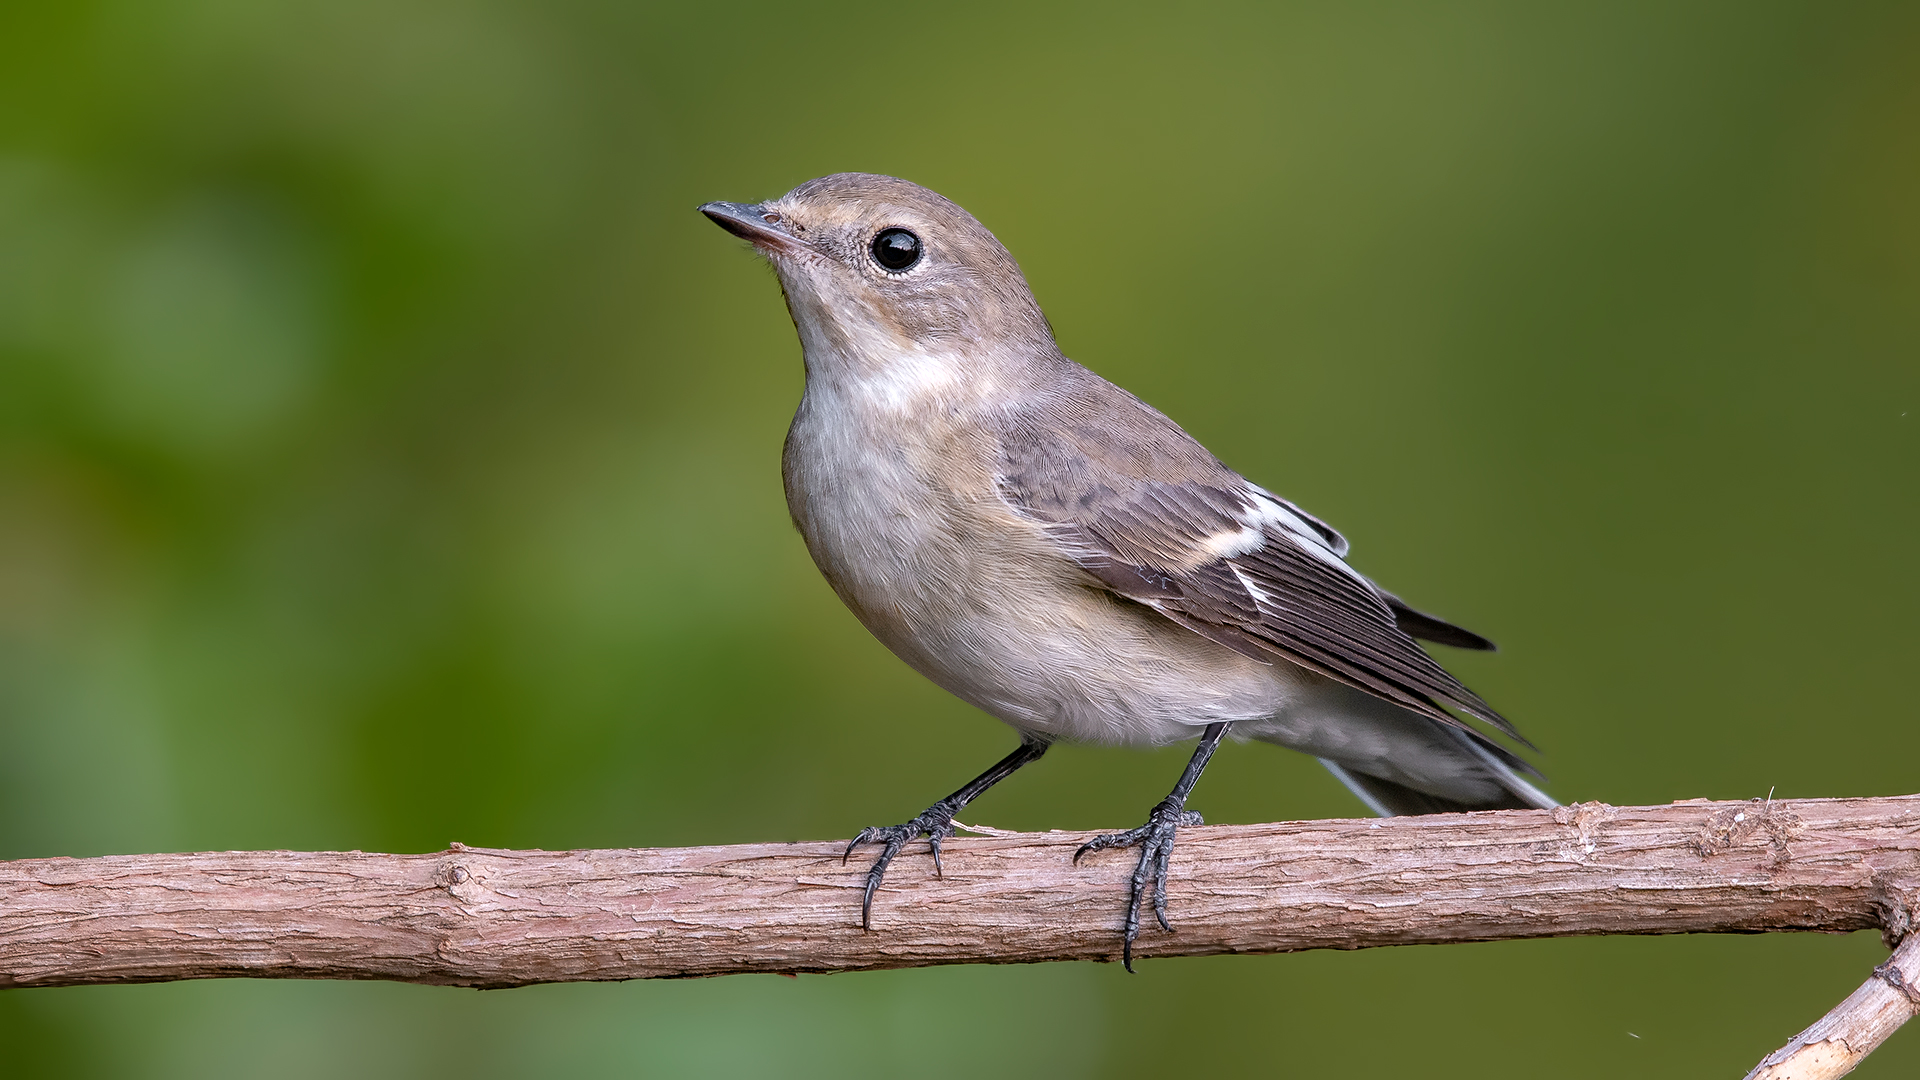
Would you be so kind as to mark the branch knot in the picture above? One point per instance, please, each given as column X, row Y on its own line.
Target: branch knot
column 1727, row 828
column 1890, row 974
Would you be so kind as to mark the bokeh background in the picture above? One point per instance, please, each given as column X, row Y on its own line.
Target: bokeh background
column 389, row 456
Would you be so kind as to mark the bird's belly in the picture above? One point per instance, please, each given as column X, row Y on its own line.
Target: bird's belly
column 980, row 601
column 1081, row 665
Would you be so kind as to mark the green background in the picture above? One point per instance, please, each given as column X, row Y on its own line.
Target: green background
column 388, row 456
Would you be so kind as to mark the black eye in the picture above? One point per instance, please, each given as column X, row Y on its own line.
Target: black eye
column 896, row 249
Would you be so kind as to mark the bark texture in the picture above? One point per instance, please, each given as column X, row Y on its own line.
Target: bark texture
column 1839, row 1040
column 476, row 917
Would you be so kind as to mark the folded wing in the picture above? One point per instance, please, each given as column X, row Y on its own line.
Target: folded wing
column 1148, row 513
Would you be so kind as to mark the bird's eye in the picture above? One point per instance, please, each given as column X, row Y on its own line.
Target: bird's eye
column 896, row 249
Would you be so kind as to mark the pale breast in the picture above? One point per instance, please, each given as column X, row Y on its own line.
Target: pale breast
column 913, row 536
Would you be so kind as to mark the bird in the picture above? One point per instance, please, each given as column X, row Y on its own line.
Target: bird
column 1053, row 550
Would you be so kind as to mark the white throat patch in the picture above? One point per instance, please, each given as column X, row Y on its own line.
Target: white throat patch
column 907, row 380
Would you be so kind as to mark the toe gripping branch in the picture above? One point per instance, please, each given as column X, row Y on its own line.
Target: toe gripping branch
column 1155, row 841
column 935, row 823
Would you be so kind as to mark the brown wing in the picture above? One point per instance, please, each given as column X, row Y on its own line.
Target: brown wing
column 1152, row 516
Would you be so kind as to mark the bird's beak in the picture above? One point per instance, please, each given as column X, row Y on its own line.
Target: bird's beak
column 765, row 229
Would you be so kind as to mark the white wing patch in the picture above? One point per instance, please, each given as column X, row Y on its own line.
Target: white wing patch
column 1227, row 545
column 1268, row 512
column 1324, row 534
column 1260, row 595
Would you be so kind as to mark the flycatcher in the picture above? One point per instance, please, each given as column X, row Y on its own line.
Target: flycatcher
column 1053, row 550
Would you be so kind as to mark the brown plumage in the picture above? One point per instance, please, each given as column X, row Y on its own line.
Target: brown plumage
column 1052, row 549
column 1136, row 499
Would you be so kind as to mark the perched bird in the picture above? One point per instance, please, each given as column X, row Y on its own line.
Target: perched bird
column 1053, row 550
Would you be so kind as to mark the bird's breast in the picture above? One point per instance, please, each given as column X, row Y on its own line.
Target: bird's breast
column 906, row 523
column 896, row 506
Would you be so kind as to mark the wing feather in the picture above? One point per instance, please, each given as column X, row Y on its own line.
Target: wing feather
column 1168, row 526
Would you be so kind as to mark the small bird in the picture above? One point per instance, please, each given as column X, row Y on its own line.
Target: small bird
column 1056, row 552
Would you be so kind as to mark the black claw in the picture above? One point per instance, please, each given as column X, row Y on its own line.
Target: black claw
column 936, row 825
column 878, row 871
column 1111, row 840
column 1160, row 886
column 864, row 836
column 1155, row 841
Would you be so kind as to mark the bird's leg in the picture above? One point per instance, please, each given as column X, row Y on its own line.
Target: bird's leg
column 1155, row 841
column 935, row 823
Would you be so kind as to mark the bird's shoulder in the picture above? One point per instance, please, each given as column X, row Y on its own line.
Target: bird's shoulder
column 1088, row 453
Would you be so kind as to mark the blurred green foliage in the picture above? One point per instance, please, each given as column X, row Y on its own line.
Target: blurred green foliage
column 388, row 456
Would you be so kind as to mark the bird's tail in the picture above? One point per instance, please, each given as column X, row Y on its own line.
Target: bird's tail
column 1390, row 799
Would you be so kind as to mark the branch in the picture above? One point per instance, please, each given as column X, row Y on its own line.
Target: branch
column 1837, row 1041
column 477, row 917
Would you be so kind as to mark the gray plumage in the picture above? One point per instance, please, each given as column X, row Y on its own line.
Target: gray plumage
column 1055, row 551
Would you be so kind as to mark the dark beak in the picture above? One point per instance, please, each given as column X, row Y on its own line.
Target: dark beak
column 762, row 227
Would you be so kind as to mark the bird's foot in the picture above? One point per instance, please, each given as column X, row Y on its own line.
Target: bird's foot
column 1155, row 841
column 936, row 824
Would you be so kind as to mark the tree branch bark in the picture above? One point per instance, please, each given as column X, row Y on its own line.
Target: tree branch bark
column 486, row 918
column 1856, row 1027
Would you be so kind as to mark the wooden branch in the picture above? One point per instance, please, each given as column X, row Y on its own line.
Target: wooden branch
column 1839, row 1040
column 475, row 917
column 478, row 917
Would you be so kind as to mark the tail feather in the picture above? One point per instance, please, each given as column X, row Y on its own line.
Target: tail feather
column 1389, row 799
column 1419, row 624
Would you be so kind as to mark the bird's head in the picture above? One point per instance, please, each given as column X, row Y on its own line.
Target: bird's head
column 877, row 270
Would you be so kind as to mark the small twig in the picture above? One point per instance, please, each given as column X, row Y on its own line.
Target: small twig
column 1839, row 1040
column 983, row 830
